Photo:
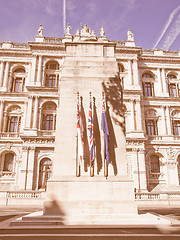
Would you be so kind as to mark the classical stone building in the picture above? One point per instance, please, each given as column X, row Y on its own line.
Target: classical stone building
column 30, row 78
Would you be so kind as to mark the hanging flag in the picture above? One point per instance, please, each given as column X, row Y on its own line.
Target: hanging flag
column 104, row 127
column 91, row 135
column 79, row 134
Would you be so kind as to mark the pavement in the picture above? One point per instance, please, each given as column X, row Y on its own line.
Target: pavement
column 7, row 214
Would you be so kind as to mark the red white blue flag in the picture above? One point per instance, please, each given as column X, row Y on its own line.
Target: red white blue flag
column 104, row 127
column 91, row 134
column 79, row 133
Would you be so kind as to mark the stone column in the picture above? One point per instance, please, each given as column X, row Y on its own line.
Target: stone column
column 159, row 87
column 6, row 75
column 39, row 71
column 130, row 73
column 30, row 167
column 1, row 73
column 35, row 113
column 135, row 73
column 1, row 114
column 168, row 120
column 33, row 75
column 132, row 116
column 138, row 115
column 163, row 122
column 142, row 169
column 29, row 112
column 165, row 89
column 23, row 170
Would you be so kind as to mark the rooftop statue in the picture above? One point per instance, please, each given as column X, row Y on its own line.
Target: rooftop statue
column 130, row 36
column 40, row 30
column 102, row 32
column 85, row 31
column 68, row 28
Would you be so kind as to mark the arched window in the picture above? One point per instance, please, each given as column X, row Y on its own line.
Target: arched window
column 52, row 74
column 151, row 122
column 174, row 87
column 148, row 84
column 175, row 116
column 155, row 164
column 49, row 116
column 45, row 172
column 18, row 80
column 8, row 162
column 13, row 119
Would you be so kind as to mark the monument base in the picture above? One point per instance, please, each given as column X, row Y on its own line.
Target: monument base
column 85, row 200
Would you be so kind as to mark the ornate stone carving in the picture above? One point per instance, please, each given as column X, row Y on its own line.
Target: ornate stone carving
column 68, row 28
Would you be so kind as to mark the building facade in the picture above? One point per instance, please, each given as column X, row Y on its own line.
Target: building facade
column 30, row 78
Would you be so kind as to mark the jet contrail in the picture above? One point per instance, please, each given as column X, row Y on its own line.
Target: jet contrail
column 64, row 15
column 167, row 25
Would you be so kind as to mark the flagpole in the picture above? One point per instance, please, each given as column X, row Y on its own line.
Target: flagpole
column 77, row 160
column 89, row 138
column 105, row 160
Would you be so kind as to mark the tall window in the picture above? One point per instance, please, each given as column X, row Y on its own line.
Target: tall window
column 13, row 124
column 151, row 127
column 49, row 116
column 18, row 80
column 172, row 90
column 176, row 128
column 13, row 119
column 45, row 172
column 48, row 122
column 155, row 164
column 51, row 81
column 8, row 162
column 52, row 74
column 148, row 89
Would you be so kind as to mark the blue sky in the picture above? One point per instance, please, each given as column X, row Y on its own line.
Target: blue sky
column 154, row 23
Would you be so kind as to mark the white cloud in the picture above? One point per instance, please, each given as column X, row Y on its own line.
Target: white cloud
column 172, row 28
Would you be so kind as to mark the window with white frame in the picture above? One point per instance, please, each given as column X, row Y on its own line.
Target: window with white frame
column 48, row 116
column 52, row 74
column 18, row 80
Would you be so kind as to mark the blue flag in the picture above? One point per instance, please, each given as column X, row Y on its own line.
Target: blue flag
column 104, row 127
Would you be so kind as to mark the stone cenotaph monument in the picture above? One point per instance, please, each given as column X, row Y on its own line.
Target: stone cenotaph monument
column 81, row 193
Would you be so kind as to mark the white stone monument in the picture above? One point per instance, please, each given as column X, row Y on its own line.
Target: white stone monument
column 85, row 199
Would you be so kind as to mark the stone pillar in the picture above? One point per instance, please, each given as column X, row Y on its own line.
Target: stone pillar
column 29, row 112
column 168, row 121
column 33, row 75
column 159, row 88
column 163, row 122
column 23, row 170
column 138, row 115
column 130, row 73
column 6, row 75
column 132, row 116
column 1, row 114
column 1, row 73
column 30, row 167
column 142, row 169
column 165, row 89
column 39, row 71
column 135, row 73
column 35, row 113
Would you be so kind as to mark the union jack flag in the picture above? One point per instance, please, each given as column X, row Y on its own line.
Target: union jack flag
column 91, row 135
column 104, row 127
column 79, row 133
